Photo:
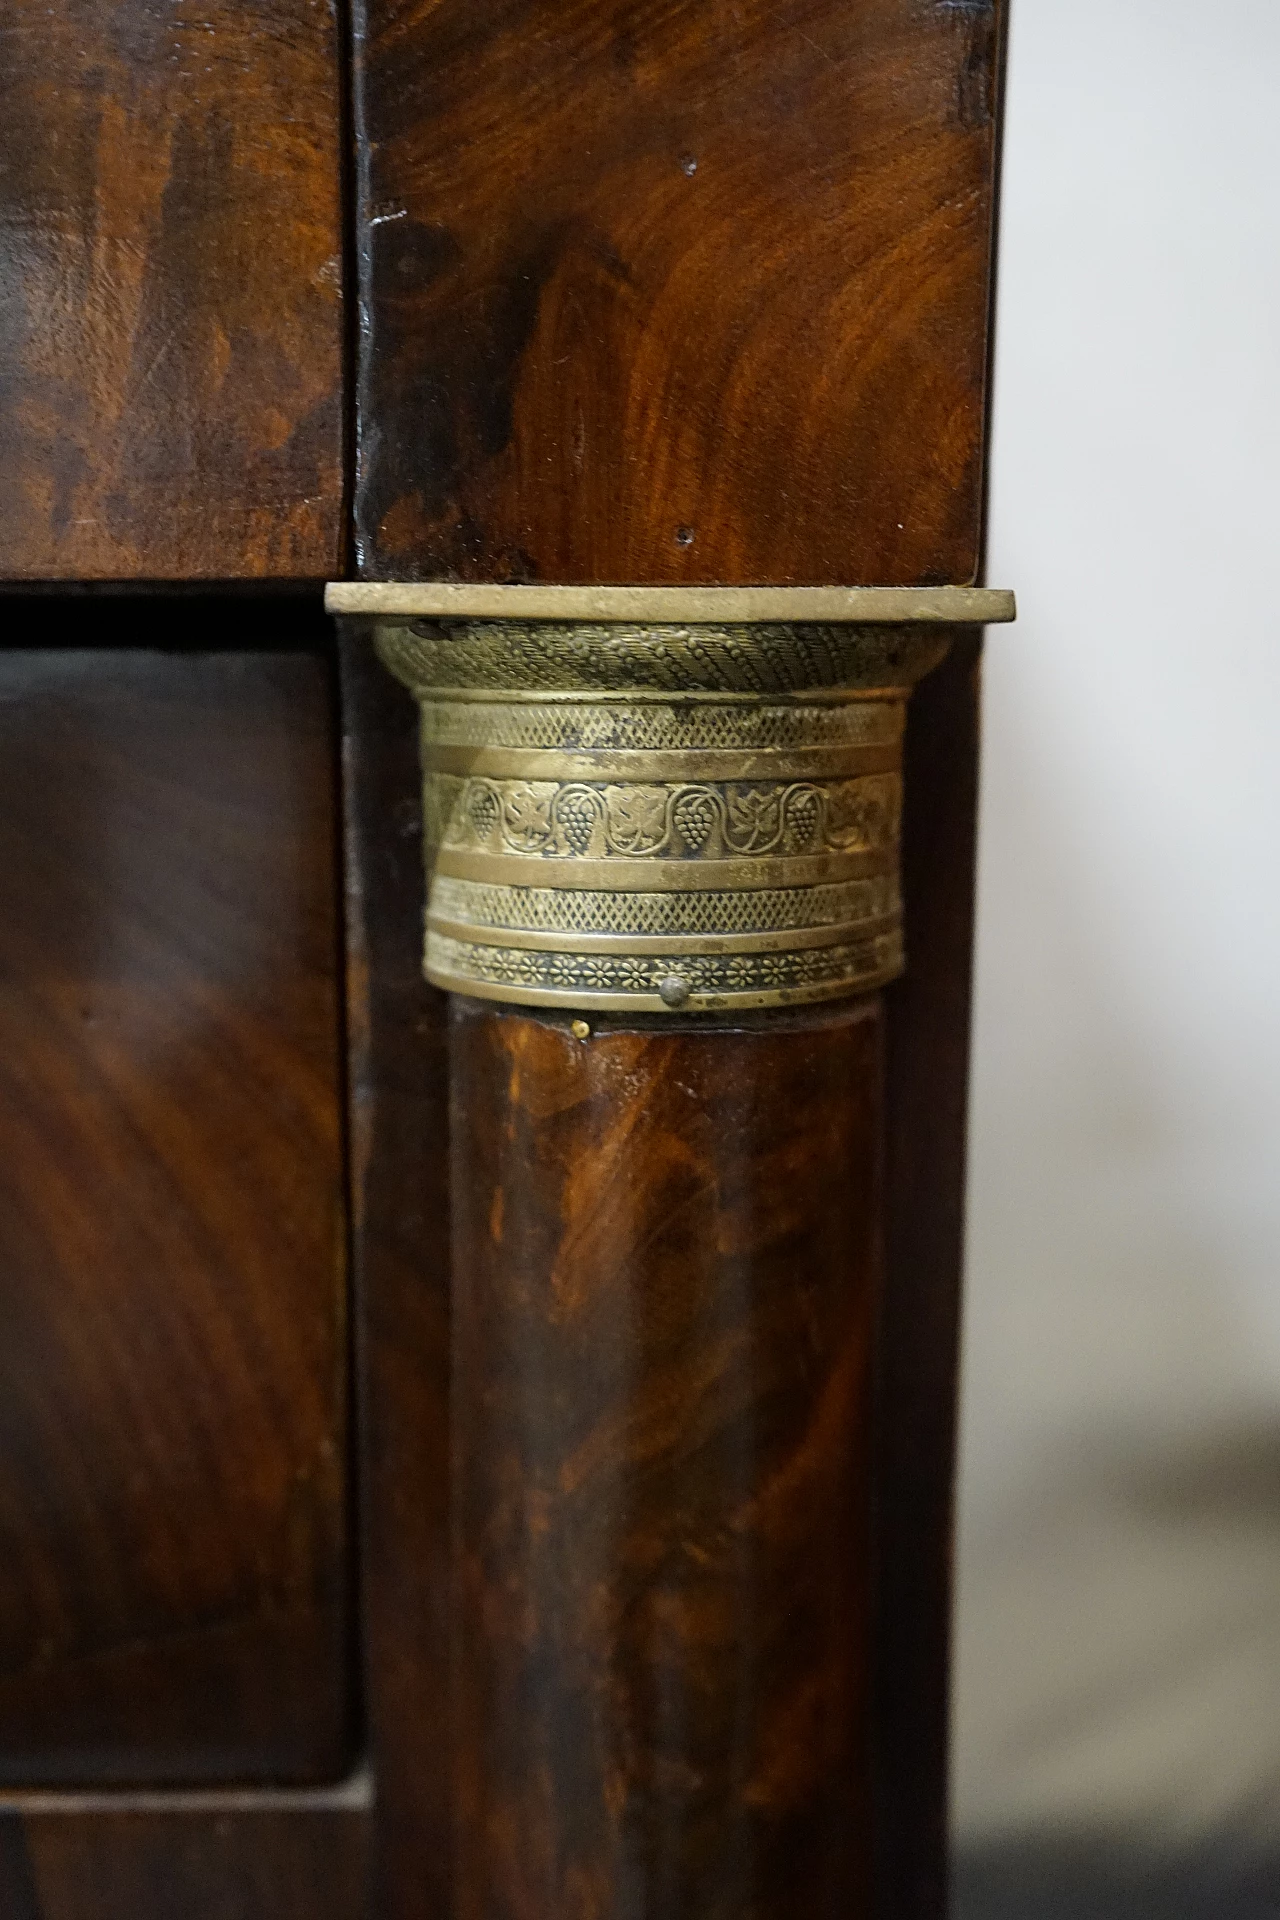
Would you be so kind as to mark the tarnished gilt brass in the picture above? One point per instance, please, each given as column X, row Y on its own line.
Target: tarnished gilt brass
column 662, row 816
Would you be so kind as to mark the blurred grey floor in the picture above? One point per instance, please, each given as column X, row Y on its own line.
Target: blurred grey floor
column 1091, row 1883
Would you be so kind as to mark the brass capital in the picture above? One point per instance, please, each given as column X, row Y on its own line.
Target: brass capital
column 662, row 815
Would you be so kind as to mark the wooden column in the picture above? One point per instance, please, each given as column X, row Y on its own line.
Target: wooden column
column 676, row 841
column 681, row 309
column 667, row 1258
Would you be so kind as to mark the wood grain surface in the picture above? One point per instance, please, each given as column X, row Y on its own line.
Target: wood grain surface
column 170, row 290
column 400, row 1199
column 238, row 1860
column 674, row 290
column 666, row 1261
column 173, row 1361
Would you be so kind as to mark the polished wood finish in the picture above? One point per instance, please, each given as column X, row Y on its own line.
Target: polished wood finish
column 655, row 290
column 683, row 290
column 170, row 290
column 173, row 1379
column 400, row 1203
column 666, row 1261
column 230, row 1858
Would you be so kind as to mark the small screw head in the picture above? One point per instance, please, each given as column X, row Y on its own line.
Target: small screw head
column 580, row 1030
column 673, row 991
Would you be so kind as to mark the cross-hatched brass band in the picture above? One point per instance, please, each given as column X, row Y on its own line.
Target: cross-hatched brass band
column 661, row 818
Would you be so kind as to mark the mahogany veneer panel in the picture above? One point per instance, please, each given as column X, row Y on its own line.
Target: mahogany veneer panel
column 674, row 290
column 173, row 1358
column 170, row 289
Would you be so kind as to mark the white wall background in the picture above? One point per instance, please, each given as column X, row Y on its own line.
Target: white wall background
column 1118, row 1653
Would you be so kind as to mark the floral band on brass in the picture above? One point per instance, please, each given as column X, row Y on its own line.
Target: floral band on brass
column 679, row 819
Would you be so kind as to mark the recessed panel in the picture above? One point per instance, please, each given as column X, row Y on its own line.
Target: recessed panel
column 172, row 1319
